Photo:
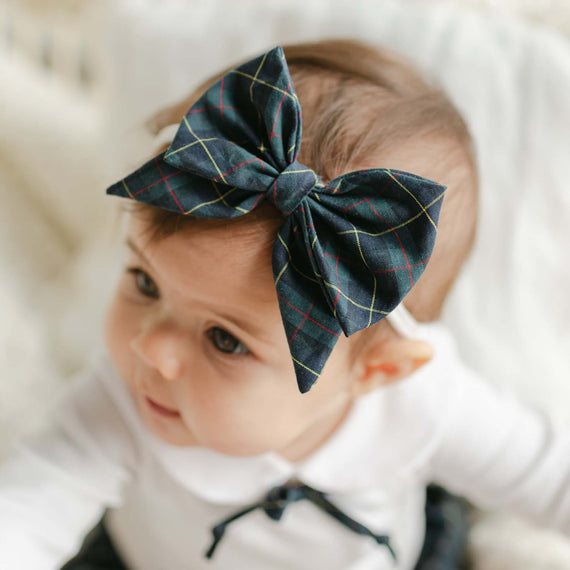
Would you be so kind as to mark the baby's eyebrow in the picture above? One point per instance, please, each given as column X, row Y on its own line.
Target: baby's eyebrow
column 135, row 248
column 250, row 327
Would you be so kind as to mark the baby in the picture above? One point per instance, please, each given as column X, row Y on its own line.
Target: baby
column 232, row 423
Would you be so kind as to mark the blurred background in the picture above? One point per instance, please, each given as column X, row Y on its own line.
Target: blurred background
column 78, row 78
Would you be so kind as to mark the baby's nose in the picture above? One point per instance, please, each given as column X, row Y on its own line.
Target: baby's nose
column 160, row 347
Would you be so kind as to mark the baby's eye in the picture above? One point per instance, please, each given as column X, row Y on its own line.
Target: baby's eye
column 144, row 283
column 226, row 342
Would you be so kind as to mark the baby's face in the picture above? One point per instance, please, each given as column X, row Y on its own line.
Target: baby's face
column 195, row 326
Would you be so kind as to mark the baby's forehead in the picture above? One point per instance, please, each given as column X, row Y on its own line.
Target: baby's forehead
column 221, row 260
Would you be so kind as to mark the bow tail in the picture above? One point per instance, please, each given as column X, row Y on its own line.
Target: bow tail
column 311, row 329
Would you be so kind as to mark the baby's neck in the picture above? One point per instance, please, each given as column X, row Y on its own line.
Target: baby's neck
column 310, row 440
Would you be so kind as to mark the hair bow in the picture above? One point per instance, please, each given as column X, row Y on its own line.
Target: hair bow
column 348, row 251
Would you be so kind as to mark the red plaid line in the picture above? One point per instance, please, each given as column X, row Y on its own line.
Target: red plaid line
column 307, row 316
column 164, row 179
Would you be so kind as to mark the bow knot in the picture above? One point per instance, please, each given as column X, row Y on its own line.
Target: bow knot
column 291, row 187
column 277, row 499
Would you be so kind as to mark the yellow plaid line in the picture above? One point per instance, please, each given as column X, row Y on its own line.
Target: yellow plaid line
column 127, row 189
column 281, row 273
column 292, row 264
column 202, row 204
column 299, row 171
column 352, row 302
column 306, row 367
column 412, row 195
column 324, row 281
column 223, row 199
column 335, row 190
column 395, row 227
column 255, row 78
column 172, row 153
column 249, row 76
column 201, row 141
column 371, row 272
column 313, row 244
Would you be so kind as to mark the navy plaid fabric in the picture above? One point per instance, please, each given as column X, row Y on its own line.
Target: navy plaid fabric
column 349, row 250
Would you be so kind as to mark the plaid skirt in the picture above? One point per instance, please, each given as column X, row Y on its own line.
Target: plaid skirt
column 447, row 524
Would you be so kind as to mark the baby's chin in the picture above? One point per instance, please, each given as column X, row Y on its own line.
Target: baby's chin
column 225, row 449
column 230, row 448
column 174, row 432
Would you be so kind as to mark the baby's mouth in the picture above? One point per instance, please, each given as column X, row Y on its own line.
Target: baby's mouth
column 161, row 409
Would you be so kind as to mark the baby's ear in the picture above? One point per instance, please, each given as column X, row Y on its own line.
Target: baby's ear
column 389, row 361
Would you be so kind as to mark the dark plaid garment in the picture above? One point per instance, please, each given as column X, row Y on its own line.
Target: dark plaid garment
column 349, row 250
column 447, row 524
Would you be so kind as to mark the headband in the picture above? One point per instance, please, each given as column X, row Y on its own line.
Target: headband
column 349, row 250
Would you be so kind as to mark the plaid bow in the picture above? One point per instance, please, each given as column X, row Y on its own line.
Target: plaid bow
column 348, row 251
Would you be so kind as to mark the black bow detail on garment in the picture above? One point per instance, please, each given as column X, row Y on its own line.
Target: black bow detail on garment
column 277, row 499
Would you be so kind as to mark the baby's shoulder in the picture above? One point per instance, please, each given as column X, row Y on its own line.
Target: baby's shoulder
column 411, row 414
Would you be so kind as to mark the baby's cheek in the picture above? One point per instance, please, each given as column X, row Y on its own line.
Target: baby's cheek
column 119, row 331
column 228, row 418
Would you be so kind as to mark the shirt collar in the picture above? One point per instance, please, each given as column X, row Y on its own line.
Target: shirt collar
column 230, row 479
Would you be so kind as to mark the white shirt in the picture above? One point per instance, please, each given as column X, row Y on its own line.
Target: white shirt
column 441, row 424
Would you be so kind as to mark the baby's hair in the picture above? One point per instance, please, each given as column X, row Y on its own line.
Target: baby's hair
column 361, row 103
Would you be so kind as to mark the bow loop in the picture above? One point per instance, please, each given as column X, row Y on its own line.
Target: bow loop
column 245, row 129
column 291, row 187
column 387, row 219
